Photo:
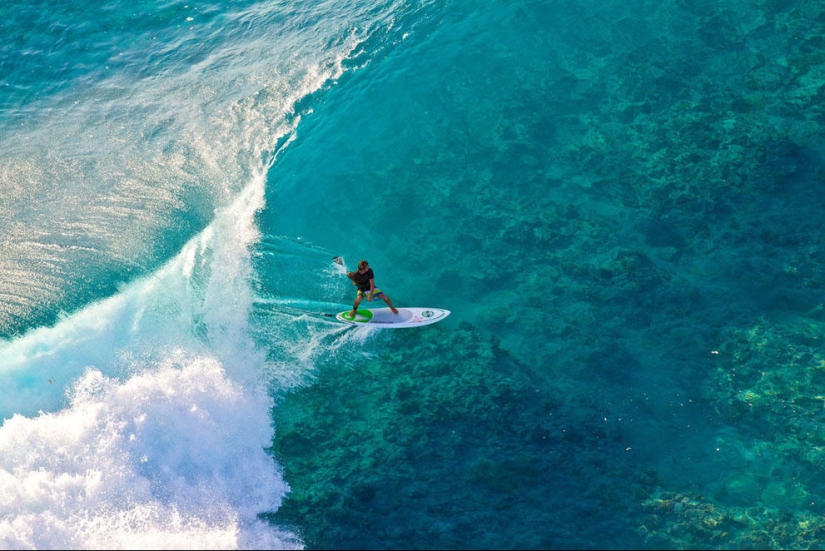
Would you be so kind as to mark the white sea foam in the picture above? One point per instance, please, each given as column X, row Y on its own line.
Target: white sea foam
column 171, row 458
column 153, row 413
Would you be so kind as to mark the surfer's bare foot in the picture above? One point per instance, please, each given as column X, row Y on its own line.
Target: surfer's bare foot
column 394, row 310
column 351, row 314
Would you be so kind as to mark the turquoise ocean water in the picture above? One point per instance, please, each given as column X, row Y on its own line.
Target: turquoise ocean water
column 620, row 202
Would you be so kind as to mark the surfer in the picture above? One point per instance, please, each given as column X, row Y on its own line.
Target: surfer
column 364, row 279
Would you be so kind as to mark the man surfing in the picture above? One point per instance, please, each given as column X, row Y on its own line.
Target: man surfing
column 364, row 279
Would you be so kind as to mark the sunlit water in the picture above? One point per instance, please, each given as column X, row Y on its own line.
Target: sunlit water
column 619, row 203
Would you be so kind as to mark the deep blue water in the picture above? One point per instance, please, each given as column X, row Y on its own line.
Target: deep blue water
column 619, row 202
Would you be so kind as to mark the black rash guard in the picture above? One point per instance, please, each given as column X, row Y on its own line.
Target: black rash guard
column 363, row 280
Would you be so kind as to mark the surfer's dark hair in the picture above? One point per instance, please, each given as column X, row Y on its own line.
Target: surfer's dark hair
column 362, row 264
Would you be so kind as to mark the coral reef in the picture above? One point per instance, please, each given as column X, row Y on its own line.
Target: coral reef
column 447, row 440
column 649, row 201
column 686, row 521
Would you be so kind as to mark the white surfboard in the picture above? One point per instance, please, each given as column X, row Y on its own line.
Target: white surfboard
column 383, row 317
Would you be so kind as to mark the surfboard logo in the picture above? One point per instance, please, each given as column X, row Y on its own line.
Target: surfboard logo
column 427, row 314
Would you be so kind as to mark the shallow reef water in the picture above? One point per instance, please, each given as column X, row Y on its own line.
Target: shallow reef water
column 460, row 431
column 619, row 201
column 628, row 228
